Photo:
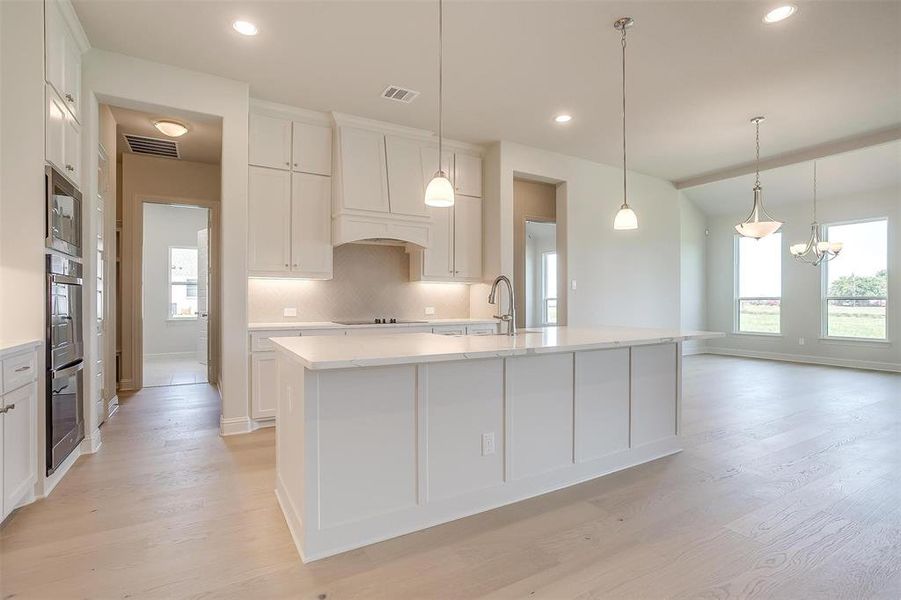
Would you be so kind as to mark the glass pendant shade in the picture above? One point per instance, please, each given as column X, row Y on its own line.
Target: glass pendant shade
column 625, row 218
column 440, row 192
column 758, row 224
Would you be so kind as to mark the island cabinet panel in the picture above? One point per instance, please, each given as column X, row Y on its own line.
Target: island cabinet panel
column 540, row 405
column 654, row 393
column 464, row 401
column 601, row 403
column 367, row 443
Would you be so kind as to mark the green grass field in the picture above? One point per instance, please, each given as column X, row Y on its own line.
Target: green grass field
column 844, row 321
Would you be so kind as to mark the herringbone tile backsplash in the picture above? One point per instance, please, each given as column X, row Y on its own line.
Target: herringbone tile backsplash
column 369, row 281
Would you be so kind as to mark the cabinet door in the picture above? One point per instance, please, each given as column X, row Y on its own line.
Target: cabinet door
column 654, row 393
column 468, row 237
column 19, row 429
column 468, row 175
column 405, row 177
column 269, row 220
column 55, row 131
column 312, row 149
column 73, row 149
column 364, row 177
column 438, row 258
column 55, row 47
column 264, row 371
column 72, row 74
column 270, row 142
column 311, row 225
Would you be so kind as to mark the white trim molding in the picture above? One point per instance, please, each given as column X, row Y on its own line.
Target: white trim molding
column 806, row 359
column 235, row 425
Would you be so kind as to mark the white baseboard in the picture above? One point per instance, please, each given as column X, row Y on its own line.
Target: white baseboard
column 239, row 425
column 692, row 350
column 806, row 359
column 173, row 355
column 91, row 443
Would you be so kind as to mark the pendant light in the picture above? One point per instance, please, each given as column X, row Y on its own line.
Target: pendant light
column 626, row 217
column 440, row 191
column 814, row 252
column 758, row 224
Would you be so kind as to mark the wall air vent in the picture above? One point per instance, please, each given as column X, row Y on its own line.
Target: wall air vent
column 140, row 144
column 399, row 94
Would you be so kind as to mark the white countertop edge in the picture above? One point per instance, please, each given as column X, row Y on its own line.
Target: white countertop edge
column 10, row 348
column 298, row 325
column 326, row 365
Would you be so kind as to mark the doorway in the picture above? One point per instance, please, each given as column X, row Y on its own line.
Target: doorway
column 541, row 274
column 175, row 293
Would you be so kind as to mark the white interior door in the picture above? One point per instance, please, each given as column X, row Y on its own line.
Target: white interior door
column 203, row 304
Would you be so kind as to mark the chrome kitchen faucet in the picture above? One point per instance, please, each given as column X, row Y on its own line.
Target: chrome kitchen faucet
column 510, row 316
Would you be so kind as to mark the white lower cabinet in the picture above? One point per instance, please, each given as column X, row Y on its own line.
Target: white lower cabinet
column 18, row 430
column 264, row 375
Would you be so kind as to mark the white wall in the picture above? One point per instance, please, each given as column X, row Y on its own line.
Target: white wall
column 693, row 261
column 623, row 277
column 166, row 226
column 141, row 84
column 801, row 287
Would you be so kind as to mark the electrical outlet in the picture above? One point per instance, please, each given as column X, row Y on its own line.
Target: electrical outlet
column 573, row 286
column 487, row 443
column 430, row 310
column 289, row 312
column 800, row 341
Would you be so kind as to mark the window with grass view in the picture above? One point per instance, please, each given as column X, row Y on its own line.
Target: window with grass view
column 182, row 283
column 759, row 284
column 856, row 281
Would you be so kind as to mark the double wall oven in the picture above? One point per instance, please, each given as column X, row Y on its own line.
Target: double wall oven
column 65, row 341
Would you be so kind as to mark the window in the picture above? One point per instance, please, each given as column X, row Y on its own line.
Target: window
column 182, row 283
column 549, row 287
column 759, row 285
column 855, row 283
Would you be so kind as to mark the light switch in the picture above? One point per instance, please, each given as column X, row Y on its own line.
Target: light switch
column 430, row 310
column 487, row 444
column 290, row 312
column 573, row 285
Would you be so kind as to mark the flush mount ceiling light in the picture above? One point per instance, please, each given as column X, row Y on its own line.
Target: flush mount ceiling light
column 625, row 217
column 814, row 252
column 780, row 13
column 440, row 192
column 758, row 224
column 245, row 28
column 170, row 128
column 563, row 118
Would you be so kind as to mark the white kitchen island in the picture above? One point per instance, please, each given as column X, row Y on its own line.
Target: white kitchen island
column 384, row 435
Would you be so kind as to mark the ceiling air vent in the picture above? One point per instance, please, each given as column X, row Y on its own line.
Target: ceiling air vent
column 140, row 144
column 393, row 92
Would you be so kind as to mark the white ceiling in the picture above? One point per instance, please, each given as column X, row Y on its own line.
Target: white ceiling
column 697, row 70
column 839, row 176
column 202, row 143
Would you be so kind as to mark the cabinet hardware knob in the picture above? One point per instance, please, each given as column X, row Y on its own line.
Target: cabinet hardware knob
column 70, row 98
column 23, row 369
column 8, row 408
column 295, row 264
column 286, row 264
column 70, row 168
column 295, row 164
column 287, row 164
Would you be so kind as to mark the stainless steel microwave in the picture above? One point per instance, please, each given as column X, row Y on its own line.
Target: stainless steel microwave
column 63, row 228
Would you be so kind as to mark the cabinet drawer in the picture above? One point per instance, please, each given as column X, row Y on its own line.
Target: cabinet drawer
column 481, row 329
column 19, row 370
column 453, row 330
column 260, row 342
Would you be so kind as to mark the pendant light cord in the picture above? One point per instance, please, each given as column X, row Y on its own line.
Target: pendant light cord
column 814, row 191
column 440, row 82
column 625, row 196
column 757, row 177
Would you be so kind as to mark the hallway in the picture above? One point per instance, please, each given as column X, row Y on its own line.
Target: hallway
column 786, row 489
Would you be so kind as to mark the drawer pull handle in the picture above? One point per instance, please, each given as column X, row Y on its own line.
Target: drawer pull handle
column 23, row 369
column 8, row 408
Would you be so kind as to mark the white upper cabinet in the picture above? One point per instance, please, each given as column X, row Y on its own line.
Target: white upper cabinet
column 269, row 220
column 311, row 225
column 55, row 130
column 270, row 142
column 438, row 259
column 468, row 175
column 364, row 177
column 73, row 150
column 63, row 59
column 312, row 149
column 467, row 238
column 405, row 181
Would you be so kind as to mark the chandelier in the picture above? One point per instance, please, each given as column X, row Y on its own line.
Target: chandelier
column 814, row 251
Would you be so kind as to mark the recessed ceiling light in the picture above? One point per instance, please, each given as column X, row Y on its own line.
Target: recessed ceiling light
column 170, row 128
column 245, row 28
column 781, row 13
column 563, row 118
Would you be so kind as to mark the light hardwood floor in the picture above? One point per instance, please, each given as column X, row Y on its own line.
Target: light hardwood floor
column 788, row 488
